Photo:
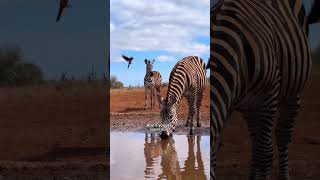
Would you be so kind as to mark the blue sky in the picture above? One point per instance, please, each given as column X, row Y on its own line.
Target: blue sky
column 72, row 45
column 165, row 30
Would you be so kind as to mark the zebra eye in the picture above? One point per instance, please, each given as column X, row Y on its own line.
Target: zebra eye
column 170, row 116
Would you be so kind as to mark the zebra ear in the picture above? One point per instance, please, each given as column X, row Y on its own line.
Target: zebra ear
column 145, row 61
column 153, row 61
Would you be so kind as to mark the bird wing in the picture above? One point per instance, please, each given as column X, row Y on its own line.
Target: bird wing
column 125, row 57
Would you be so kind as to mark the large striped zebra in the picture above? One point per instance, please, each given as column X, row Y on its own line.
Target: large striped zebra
column 187, row 78
column 152, row 83
column 260, row 64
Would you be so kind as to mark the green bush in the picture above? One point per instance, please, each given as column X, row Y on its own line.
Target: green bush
column 27, row 74
column 13, row 69
column 114, row 83
column 165, row 84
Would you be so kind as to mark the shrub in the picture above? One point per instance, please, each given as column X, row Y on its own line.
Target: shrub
column 165, row 84
column 114, row 83
column 13, row 69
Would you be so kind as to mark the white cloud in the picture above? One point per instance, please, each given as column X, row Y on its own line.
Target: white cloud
column 112, row 27
column 159, row 25
column 164, row 58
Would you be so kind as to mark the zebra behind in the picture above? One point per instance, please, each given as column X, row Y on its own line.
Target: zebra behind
column 260, row 63
column 152, row 83
column 187, row 79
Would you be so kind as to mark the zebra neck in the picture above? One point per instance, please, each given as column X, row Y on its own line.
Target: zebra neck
column 171, row 97
column 148, row 71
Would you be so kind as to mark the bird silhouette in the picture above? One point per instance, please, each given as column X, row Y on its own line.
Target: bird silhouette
column 63, row 4
column 128, row 59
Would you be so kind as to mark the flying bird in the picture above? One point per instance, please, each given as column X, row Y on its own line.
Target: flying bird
column 63, row 4
column 128, row 59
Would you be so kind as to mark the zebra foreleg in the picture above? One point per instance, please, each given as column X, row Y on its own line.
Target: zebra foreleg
column 215, row 142
column 145, row 98
column 251, row 124
column 284, row 131
column 191, row 104
column 262, row 146
column 151, row 97
column 154, row 97
column 192, row 112
column 199, row 101
column 264, row 114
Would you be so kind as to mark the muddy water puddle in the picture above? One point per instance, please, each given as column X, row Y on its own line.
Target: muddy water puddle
column 137, row 156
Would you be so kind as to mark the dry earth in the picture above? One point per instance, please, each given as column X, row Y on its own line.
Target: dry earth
column 47, row 133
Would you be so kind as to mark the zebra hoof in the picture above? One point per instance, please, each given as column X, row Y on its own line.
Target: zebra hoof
column 198, row 124
column 164, row 135
column 187, row 124
column 191, row 131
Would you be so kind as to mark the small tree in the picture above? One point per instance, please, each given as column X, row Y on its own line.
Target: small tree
column 114, row 83
column 13, row 71
column 165, row 84
column 27, row 74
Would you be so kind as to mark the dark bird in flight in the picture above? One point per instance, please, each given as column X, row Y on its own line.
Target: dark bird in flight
column 128, row 59
column 63, row 4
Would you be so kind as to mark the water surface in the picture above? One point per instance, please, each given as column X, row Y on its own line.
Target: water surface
column 137, row 156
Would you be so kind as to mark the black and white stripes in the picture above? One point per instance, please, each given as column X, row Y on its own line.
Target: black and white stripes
column 152, row 83
column 260, row 64
column 187, row 79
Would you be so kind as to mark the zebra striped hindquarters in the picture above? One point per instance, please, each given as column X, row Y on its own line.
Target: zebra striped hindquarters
column 260, row 62
column 187, row 79
column 152, row 83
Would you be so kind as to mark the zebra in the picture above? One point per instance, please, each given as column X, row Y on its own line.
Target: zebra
column 152, row 82
column 260, row 62
column 187, row 79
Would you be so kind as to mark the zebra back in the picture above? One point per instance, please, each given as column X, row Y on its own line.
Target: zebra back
column 188, row 73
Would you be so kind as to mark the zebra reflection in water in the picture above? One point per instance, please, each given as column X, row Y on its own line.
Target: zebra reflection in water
column 155, row 148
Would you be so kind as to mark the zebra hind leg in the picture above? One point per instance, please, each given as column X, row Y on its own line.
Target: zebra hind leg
column 284, row 131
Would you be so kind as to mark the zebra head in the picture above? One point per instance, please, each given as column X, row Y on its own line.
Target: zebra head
column 168, row 114
column 149, row 64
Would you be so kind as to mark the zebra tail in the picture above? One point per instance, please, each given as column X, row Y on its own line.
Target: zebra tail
column 314, row 15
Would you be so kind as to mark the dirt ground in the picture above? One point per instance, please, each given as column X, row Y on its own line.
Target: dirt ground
column 127, row 114
column 49, row 133
column 127, row 111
